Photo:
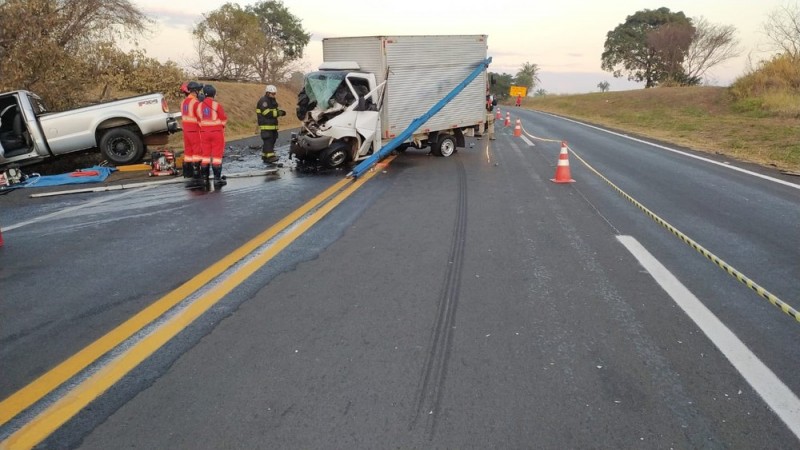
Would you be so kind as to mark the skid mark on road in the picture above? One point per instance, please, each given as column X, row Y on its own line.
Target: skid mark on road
column 434, row 372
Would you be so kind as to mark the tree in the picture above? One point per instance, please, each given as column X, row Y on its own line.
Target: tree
column 604, row 86
column 48, row 46
column 226, row 40
column 281, row 42
column 540, row 93
column 502, row 85
column 528, row 76
column 670, row 43
column 712, row 45
column 783, row 30
column 627, row 49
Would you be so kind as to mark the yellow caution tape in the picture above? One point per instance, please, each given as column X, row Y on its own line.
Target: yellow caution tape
column 774, row 300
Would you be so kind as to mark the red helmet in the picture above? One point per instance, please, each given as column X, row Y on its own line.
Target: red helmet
column 185, row 88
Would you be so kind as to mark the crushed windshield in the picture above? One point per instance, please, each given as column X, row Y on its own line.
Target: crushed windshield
column 321, row 86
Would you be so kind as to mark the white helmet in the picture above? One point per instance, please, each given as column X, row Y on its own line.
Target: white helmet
column 271, row 89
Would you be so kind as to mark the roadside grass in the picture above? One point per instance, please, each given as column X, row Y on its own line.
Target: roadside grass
column 763, row 129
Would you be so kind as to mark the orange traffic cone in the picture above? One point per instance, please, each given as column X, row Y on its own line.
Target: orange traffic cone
column 562, row 170
column 1, row 238
column 508, row 120
column 499, row 114
column 518, row 129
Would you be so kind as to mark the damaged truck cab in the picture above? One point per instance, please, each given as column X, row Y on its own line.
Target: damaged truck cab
column 341, row 119
column 370, row 89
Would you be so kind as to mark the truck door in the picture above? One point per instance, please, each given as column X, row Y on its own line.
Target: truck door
column 14, row 134
column 368, row 118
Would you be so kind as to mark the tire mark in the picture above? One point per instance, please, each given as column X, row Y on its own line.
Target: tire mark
column 434, row 372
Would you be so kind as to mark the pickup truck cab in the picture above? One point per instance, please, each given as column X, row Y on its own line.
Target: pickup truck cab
column 120, row 129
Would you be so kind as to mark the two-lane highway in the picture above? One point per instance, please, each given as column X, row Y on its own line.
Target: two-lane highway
column 463, row 302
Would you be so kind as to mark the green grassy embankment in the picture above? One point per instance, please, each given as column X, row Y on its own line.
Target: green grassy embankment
column 708, row 119
column 756, row 120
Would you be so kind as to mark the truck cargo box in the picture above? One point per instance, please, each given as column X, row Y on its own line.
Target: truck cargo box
column 421, row 71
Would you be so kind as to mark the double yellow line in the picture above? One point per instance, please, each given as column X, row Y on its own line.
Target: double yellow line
column 64, row 408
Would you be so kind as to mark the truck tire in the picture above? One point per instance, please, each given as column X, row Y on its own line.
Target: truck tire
column 445, row 145
column 335, row 155
column 121, row 146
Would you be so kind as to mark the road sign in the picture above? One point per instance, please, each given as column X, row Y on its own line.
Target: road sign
column 518, row 90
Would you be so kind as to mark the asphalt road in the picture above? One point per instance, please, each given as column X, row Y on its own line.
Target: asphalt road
column 462, row 302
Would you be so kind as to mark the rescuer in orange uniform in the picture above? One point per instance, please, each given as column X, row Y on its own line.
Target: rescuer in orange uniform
column 191, row 127
column 212, row 135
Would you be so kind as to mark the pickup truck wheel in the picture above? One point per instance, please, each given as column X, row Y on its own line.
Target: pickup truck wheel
column 445, row 145
column 121, row 146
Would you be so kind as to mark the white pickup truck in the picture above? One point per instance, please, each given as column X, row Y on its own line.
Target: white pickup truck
column 120, row 129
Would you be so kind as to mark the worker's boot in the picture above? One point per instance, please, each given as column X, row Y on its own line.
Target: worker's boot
column 206, row 173
column 219, row 179
column 188, row 169
column 269, row 158
column 196, row 180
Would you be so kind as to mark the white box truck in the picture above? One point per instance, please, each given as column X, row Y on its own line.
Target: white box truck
column 368, row 90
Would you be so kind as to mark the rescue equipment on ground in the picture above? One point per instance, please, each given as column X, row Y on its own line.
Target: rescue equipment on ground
column 11, row 177
column 163, row 163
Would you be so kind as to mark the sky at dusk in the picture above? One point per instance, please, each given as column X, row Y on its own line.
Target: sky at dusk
column 565, row 38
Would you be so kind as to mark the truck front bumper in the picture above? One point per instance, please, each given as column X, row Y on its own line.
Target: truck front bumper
column 306, row 147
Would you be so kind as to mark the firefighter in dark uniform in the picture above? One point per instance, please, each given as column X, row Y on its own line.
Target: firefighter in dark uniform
column 267, row 113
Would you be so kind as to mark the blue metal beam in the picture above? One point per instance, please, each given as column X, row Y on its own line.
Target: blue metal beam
column 416, row 123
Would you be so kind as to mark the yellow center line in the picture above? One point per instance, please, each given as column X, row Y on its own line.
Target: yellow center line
column 36, row 390
column 84, row 393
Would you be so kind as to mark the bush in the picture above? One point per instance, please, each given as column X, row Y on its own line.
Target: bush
column 772, row 89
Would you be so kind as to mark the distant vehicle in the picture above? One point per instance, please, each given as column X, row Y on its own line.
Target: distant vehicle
column 120, row 129
column 369, row 90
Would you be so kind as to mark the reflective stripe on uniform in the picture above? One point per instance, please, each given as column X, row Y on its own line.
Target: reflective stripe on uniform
column 264, row 112
column 210, row 117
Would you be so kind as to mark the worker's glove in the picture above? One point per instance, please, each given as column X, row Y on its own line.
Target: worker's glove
column 281, row 113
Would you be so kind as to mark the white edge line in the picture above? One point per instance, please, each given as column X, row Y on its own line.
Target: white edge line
column 728, row 166
column 772, row 390
column 528, row 141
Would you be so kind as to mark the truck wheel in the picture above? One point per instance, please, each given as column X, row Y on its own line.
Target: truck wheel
column 335, row 155
column 445, row 145
column 121, row 146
